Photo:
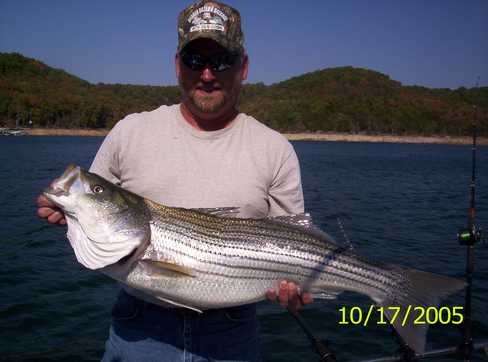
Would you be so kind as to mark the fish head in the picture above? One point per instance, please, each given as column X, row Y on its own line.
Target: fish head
column 105, row 222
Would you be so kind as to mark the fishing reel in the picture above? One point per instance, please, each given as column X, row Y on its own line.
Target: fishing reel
column 468, row 236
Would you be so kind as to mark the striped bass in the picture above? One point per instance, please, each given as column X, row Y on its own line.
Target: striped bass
column 203, row 259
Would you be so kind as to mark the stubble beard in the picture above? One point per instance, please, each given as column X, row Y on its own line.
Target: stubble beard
column 208, row 103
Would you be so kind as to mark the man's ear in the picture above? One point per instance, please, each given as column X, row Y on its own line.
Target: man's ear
column 245, row 67
column 177, row 65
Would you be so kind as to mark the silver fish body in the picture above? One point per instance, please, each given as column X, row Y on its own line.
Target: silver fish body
column 232, row 261
column 201, row 260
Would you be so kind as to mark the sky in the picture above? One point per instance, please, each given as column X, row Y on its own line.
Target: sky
column 431, row 43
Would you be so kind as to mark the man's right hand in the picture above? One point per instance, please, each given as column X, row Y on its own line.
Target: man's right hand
column 47, row 210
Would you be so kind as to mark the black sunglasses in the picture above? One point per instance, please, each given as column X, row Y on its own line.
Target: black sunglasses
column 217, row 63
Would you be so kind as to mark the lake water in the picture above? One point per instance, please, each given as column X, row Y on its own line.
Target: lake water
column 398, row 203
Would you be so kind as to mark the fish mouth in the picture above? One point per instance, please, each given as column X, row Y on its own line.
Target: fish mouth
column 61, row 185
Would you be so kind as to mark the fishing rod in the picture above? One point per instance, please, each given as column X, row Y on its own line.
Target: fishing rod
column 468, row 237
column 321, row 347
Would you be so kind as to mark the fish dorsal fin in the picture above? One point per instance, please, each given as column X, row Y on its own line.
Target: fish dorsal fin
column 155, row 266
column 215, row 211
column 304, row 221
column 219, row 211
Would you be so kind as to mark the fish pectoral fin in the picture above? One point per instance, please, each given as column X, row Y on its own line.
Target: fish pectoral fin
column 179, row 304
column 156, row 266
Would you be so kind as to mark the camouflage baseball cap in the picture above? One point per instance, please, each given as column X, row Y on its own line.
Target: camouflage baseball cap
column 213, row 20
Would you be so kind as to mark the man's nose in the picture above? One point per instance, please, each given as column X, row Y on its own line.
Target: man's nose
column 207, row 74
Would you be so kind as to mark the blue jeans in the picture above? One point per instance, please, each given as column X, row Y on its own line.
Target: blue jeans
column 143, row 331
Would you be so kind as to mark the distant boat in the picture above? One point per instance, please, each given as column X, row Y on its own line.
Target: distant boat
column 12, row 132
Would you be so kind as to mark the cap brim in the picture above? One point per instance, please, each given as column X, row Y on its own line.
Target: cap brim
column 208, row 35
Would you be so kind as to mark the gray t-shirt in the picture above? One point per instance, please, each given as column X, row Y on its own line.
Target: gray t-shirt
column 159, row 156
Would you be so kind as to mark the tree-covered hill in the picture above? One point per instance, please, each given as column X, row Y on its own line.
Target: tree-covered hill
column 348, row 99
column 33, row 91
column 343, row 99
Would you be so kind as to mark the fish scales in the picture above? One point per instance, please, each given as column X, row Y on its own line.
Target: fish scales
column 257, row 228
column 348, row 269
column 288, row 264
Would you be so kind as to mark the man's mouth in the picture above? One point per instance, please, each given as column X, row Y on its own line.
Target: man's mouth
column 208, row 89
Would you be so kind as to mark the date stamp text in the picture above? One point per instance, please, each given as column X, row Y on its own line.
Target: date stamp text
column 408, row 314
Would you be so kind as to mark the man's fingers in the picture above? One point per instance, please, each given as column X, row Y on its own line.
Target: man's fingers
column 283, row 294
column 42, row 201
column 307, row 298
column 48, row 210
column 44, row 212
column 293, row 299
column 289, row 296
column 55, row 217
column 271, row 295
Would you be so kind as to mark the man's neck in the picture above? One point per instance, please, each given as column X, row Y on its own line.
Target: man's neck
column 210, row 123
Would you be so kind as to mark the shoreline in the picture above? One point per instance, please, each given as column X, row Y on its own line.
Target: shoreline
column 65, row 132
column 326, row 136
column 345, row 137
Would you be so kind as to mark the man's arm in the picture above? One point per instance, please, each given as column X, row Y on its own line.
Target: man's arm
column 106, row 162
column 285, row 192
column 286, row 197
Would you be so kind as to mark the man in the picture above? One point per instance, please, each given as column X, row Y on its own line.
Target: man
column 201, row 153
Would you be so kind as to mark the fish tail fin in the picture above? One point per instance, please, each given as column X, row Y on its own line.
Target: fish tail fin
column 418, row 291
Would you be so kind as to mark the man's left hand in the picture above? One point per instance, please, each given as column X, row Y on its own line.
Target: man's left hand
column 289, row 296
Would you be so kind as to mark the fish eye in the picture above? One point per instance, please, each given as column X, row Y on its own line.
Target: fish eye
column 97, row 189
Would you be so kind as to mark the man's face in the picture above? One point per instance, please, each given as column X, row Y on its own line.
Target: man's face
column 207, row 92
